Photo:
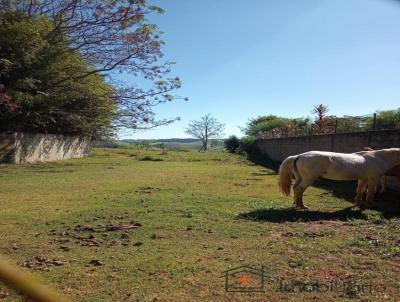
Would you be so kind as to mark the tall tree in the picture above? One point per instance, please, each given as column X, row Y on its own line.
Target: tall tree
column 321, row 120
column 204, row 129
column 30, row 65
column 110, row 36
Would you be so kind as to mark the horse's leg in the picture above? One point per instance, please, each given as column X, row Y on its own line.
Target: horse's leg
column 372, row 184
column 398, row 178
column 361, row 187
column 299, row 189
column 383, row 184
column 296, row 196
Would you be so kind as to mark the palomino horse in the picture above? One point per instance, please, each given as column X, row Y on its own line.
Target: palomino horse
column 395, row 171
column 368, row 167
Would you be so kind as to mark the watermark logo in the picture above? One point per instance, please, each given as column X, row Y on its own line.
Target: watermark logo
column 254, row 279
column 245, row 279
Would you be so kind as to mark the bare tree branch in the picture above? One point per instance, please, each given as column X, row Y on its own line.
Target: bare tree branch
column 204, row 129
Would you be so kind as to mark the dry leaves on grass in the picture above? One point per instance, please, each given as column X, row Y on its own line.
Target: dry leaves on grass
column 77, row 235
column 41, row 263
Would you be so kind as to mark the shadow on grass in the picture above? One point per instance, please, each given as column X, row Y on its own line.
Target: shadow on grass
column 342, row 189
column 388, row 205
column 264, row 161
column 292, row 215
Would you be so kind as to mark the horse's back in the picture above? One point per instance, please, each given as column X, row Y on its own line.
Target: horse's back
column 332, row 165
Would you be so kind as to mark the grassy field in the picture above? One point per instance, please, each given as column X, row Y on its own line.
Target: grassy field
column 193, row 216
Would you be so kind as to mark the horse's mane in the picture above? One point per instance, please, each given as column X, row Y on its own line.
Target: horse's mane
column 365, row 150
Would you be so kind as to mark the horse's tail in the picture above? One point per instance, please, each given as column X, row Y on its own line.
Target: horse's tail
column 285, row 174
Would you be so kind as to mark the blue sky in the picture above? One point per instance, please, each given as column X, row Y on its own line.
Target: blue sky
column 240, row 59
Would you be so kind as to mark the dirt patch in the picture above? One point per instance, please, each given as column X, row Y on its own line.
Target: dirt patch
column 146, row 190
column 241, row 185
column 307, row 234
column 254, row 179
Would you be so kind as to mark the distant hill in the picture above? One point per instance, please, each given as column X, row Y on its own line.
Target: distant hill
column 165, row 140
column 173, row 143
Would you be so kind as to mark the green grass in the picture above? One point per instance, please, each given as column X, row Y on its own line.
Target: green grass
column 200, row 214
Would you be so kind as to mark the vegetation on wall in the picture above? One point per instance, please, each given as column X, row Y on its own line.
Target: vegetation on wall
column 270, row 126
column 272, row 122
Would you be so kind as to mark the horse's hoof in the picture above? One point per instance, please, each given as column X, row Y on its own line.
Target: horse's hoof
column 362, row 207
column 360, row 203
column 302, row 207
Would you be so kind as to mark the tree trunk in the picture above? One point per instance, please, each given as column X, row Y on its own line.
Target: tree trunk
column 203, row 146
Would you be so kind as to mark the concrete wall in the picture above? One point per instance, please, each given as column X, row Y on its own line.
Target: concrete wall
column 19, row 148
column 279, row 148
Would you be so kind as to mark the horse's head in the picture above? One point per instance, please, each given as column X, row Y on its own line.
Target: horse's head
column 390, row 156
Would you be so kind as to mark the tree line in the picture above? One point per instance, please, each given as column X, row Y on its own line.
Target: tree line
column 272, row 126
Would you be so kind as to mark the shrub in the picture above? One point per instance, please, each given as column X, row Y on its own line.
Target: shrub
column 194, row 159
column 246, row 145
column 150, row 158
column 232, row 144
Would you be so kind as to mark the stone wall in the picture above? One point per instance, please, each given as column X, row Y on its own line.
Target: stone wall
column 19, row 148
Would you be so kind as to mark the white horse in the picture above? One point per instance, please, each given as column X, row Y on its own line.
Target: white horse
column 366, row 167
column 395, row 171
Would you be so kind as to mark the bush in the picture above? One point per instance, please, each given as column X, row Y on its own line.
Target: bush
column 150, row 158
column 232, row 144
column 247, row 145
